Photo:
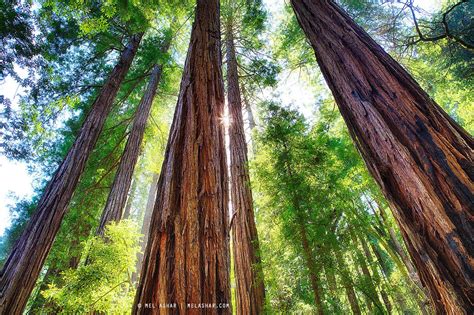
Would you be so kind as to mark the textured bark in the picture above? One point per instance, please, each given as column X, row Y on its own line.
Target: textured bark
column 250, row 290
column 117, row 198
column 187, row 256
column 420, row 157
column 24, row 264
column 348, row 283
column 146, row 224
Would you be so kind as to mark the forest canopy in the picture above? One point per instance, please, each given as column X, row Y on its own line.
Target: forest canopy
column 238, row 156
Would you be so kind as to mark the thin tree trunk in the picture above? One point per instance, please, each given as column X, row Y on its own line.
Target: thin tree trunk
column 123, row 177
column 187, row 256
column 21, row 269
column 348, row 283
column 420, row 157
column 372, row 295
column 250, row 290
column 146, row 223
column 376, row 275
column 311, row 265
column 250, row 118
column 129, row 203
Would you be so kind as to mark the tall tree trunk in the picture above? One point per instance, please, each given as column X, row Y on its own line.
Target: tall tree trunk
column 420, row 157
column 250, row 118
column 24, row 264
column 348, row 283
column 372, row 295
column 128, row 205
column 123, row 177
column 250, row 290
column 146, row 223
column 376, row 275
column 187, row 256
column 311, row 265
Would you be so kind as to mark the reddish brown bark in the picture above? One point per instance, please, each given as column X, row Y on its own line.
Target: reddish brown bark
column 420, row 157
column 187, row 256
column 123, row 177
column 250, row 290
column 24, row 264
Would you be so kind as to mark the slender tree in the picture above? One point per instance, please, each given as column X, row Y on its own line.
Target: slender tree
column 419, row 156
column 187, row 256
column 123, row 178
column 26, row 259
column 250, row 290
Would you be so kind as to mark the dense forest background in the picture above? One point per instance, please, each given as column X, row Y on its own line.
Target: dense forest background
column 307, row 226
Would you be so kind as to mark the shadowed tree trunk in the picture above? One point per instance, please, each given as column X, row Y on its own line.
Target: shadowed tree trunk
column 371, row 294
column 348, row 283
column 420, row 157
column 187, row 256
column 123, row 177
column 250, row 290
column 24, row 264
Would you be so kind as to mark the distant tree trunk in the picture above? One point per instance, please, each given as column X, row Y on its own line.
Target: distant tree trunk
column 187, row 255
column 420, row 157
column 372, row 295
column 312, row 267
column 348, row 283
column 250, row 290
column 146, row 223
column 250, row 118
column 376, row 275
column 21, row 269
column 128, row 205
column 117, row 198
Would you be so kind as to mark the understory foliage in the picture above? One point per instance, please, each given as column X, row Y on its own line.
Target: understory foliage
column 102, row 282
column 322, row 222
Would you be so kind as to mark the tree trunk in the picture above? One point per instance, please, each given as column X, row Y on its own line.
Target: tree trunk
column 311, row 265
column 128, row 205
column 250, row 118
column 250, row 290
column 420, row 157
column 376, row 275
column 24, row 264
column 348, row 283
column 123, row 177
column 187, row 256
column 146, row 223
column 372, row 296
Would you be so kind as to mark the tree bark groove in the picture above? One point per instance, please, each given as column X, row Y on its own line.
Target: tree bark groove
column 23, row 265
column 420, row 157
column 187, row 256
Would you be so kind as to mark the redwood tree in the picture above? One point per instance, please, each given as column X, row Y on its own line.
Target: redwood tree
column 420, row 157
column 250, row 290
column 23, row 265
column 123, row 177
column 187, row 256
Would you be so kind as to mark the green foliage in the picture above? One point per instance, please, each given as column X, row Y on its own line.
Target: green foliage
column 103, row 282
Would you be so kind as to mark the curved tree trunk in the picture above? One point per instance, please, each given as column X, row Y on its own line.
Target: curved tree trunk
column 420, row 157
column 123, row 177
column 24, row 264
column 187, row 256
column 250, row 290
